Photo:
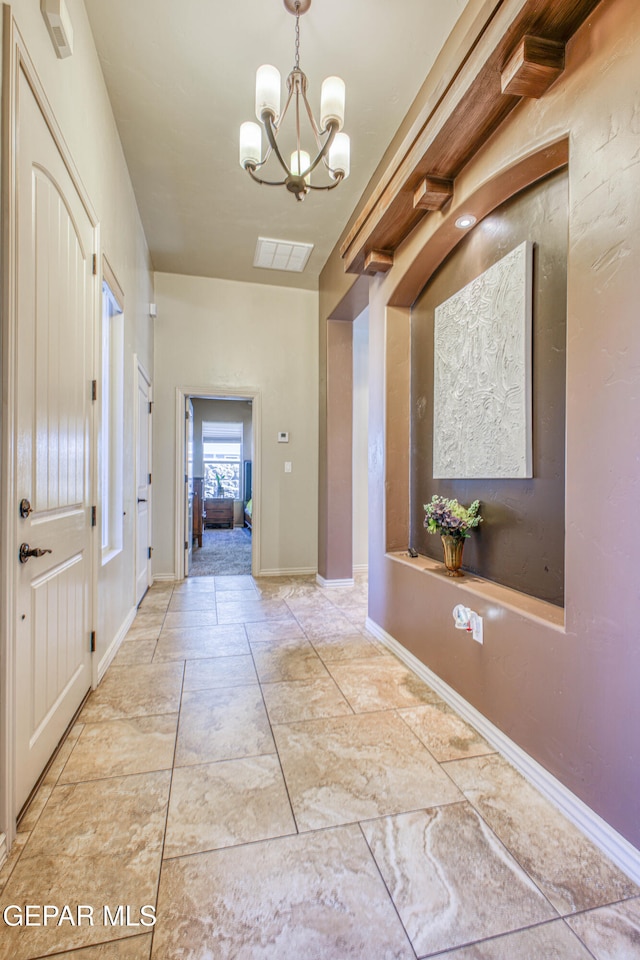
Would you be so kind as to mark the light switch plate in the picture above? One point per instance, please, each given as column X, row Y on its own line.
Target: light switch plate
column 283, row 436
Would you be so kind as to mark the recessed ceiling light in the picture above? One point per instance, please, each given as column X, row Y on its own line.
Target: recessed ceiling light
column 466, row 220
column 282, row 254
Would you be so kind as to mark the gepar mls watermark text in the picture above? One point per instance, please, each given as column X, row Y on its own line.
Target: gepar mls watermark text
column 80, row 915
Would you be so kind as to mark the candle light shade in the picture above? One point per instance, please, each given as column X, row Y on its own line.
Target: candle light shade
column 305, row 161
column 250, row 143
column 268, row 91
column 332, row 100
column 340, row 155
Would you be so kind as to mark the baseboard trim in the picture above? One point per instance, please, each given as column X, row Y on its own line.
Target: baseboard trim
column 361, row 568
column 4, row 853
column 613, row 844
column 112, row 649
column 333, row 583
column 164, row 577
column 288, row 572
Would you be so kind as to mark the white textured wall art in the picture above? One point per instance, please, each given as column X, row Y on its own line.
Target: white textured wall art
column 482, row 374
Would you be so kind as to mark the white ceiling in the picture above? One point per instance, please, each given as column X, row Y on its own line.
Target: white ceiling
column 181, row 77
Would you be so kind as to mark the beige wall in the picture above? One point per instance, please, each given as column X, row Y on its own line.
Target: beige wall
column 217, row 334
column 75, row 88
column 564, row 692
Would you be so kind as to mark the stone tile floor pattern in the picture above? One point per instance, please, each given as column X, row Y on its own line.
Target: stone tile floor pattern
column 266, row 774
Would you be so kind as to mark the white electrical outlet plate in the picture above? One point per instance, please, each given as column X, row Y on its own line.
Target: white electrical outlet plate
column 466, row 619
column 287, row 466
column 476, row 628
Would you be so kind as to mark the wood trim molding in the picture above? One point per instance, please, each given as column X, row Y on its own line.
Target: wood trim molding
column 432, row 193
column 378, row 261
column 506, row 183
column 469, row 109
column 534, row 66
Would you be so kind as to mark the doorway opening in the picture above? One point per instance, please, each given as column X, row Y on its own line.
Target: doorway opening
column 219, row 505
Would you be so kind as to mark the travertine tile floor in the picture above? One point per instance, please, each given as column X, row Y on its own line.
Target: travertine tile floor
column 261, row 770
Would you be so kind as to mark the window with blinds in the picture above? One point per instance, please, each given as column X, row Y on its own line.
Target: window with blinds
column 222, row 459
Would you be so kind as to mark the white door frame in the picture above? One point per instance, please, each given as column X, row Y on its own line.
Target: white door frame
column 140, row 369
column 217, row 393
column 15, row 58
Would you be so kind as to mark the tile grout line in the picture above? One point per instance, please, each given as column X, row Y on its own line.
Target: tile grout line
column 348, row 702
column 578, row 937
column 70, row 951
column 384, row 883
column 264, row 704
column 450, row 951
column 166, row 819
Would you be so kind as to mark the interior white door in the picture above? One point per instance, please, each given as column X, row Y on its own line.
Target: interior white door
column 56, row 310
column 188, row 493
column 143, row 487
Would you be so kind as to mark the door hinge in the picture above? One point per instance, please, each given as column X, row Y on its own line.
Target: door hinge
column 94, row 389
column 95, row 264
column 186, row 544
column 93, row 642
column 149, row 478
column 150, row 552
column 186, row 414
column 186, row 478
column 93, row 517
column 150, row 406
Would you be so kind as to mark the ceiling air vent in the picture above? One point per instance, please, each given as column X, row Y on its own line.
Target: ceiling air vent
column 282, row 254
column 58, row 22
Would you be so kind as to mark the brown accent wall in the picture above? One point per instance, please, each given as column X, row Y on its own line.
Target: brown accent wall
column 564, row 689
column 520, row 542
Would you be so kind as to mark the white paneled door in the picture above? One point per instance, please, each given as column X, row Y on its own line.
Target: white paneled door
column 55, row 294
column 188, row 489
column 143, row 487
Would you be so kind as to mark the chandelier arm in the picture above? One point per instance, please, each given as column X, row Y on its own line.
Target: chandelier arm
column 333, row 129
column 267, row 120
column 261, row 163
column 276, row 126
column 329, row 186
column 312, row 120
column 251, row 170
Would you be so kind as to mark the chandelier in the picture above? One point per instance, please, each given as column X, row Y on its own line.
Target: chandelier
column 331, row 146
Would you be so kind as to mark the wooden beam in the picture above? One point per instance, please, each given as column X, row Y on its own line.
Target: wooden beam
column 432, row 193
column 490, row 194
column 378, row 261
column 533, row 67
column 463, row 114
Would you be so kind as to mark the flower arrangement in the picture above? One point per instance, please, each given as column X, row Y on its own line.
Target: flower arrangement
column 449, row 518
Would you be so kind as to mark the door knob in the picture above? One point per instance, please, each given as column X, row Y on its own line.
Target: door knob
column 26, row 551
column 141, row 500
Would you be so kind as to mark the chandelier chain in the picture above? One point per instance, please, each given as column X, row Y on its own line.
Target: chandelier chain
column 297, row 36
